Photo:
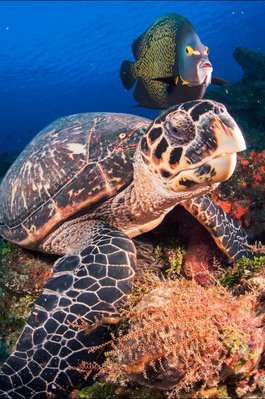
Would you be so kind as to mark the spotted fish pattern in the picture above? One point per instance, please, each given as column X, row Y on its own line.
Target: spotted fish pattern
column 85, row 287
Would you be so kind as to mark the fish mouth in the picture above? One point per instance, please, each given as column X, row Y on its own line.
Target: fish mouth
column 206, row 65
column 204, row 71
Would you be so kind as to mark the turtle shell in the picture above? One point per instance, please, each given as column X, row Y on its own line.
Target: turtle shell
column 69, row 166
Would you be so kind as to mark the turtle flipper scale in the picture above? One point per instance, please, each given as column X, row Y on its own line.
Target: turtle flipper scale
column 86, row 285
column 228, row 235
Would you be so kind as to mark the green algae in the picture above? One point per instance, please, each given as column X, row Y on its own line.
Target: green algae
column 244, row 268
column 103, row 390
column 172, row 255
column 5, row 247
column 22, row 275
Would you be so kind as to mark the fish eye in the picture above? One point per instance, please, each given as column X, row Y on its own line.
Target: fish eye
column 189, row 50
column 122, row 136
column 206, row 52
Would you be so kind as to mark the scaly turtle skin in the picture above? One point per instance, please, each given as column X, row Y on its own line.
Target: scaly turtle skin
column 81, row 189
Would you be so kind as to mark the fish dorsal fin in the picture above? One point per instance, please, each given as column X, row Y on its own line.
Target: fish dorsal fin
column 136, row 46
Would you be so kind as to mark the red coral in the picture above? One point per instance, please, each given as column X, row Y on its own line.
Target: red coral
column 245, row 162
column 240, row 210
column 242, row 196
column 198, row 262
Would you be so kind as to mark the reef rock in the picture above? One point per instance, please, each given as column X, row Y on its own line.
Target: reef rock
column 252, row 63
column 243, row 196
column 182, row 337
column 22, row 275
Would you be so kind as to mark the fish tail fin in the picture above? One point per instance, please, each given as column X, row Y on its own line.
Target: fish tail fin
column 127, row 74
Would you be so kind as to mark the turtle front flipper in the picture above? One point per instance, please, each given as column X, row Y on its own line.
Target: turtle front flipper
column 228, row 235
column 87, row 285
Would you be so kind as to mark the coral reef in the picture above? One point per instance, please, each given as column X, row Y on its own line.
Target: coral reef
column 243, row 196
column 244, row 272
column 252, row 62
column 181, row 335
column 190, row 340
column 184, row 247
column 22, row 275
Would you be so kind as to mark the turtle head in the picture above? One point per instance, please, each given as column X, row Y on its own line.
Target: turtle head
column 192, row 145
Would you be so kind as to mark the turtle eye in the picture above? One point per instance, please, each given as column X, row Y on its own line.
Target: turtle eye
column 122, row 136
column 206, row 51
column 189, row 50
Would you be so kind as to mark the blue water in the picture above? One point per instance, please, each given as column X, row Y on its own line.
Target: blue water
column 59, row 58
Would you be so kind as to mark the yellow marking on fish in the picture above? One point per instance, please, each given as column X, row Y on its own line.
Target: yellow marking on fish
column 185, row 83
column 190, row 51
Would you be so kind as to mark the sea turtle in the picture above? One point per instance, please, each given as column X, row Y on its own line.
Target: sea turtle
column 82, row 189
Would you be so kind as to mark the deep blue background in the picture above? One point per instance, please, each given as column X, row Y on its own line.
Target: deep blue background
column 59, row 58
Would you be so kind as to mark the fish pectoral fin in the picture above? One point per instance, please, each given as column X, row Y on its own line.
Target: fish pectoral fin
column 127, row 75
column 172, row 81
column 150, row 94
column 219, row 81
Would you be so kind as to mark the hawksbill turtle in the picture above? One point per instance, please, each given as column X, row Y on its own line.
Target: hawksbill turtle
column 81, row 189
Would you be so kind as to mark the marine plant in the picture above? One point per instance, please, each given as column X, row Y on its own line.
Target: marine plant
column 243, row 195
column 22, row 276
column 243, row 269
column 187, row 340
column 171, row 255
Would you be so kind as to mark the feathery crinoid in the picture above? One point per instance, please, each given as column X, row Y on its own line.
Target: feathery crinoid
column 183, row 337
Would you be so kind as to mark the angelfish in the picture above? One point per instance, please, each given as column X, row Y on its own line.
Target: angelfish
column 172, row 64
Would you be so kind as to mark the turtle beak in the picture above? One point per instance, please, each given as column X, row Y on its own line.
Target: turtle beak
column 224, row 166
column 228, row 135
column 230, row 141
